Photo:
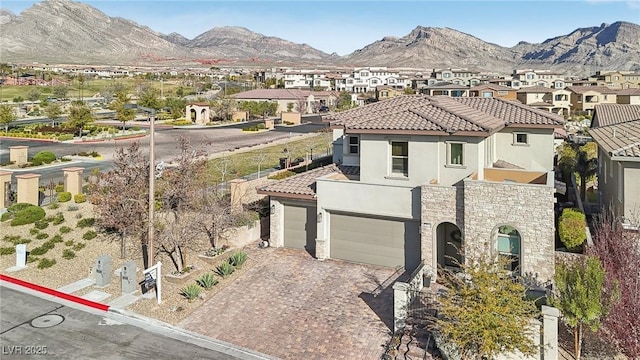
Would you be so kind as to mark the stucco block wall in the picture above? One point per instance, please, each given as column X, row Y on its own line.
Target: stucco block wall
column 439, row 204
column 528, row 208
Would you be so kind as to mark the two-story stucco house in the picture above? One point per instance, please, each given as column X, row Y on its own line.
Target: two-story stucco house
column 616, row 130
column 415, row 177
column 551, row 99
column 584, row 98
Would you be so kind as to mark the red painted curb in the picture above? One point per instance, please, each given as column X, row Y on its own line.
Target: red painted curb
column 56, row 293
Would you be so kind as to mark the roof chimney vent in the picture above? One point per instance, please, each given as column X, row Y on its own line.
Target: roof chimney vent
column 613, row 131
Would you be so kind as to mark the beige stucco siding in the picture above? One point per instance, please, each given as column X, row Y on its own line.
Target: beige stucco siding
column 631, row 195
column 540, row 159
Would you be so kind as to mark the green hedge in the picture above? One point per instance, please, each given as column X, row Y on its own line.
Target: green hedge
column 64, row 196
column 43, row 157
column 59, row 188
column 28, row 215
column 572, row 228
column 79, row 198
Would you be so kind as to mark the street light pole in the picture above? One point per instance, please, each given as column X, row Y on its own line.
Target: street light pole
column 152, row 187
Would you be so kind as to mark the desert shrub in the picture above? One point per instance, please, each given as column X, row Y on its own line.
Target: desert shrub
column 79, row 246
column 46, row 263
column 28, row 215
column 68, row 254
column 89, row 235
column 41, row 224
column 238, row 258
column 79, row 198
column 191, row 291
column 207, row 281
column 79, row 216
column 58, row 219
column 57, row 238
column 6, row 216
column 64, row 196
column 68, row 243
column 72, row 207
column 34, row 231
column 43, row 157
column 64, row 229
column 224, row 269
column 54, row 205
column 282, row 175
column 15, row 239
column 31, row 259
column 59, row 188
column 7, row 250
column 86, row 222
column 42, row 236
column 572, row 228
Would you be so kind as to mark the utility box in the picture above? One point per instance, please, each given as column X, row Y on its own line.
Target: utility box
column 103, row 270
column 128, row 277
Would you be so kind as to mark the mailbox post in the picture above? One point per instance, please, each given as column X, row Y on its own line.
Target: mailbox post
column 103, row 270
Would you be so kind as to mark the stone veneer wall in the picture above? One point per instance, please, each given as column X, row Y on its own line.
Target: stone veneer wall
column 528, row 208
column 276, row 219
column 438, row 204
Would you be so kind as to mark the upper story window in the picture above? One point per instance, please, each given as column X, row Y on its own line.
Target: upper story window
column 446, row 75
column 400, row 157
column 374, row 81
column 502, row 92
column 487, row 94
column 520, row 138
column 455, row 153
column 364, row 73
column 354, row 144
column 516, row 83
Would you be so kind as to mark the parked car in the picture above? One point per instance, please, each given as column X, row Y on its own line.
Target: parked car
column 324, row 108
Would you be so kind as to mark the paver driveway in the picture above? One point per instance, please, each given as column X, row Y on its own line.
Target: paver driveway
column 292, row 306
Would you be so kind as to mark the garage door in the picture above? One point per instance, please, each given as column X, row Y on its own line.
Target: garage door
column 300, row 227
column 378, row 241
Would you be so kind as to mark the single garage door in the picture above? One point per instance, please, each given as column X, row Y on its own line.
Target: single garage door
column 373, row 240
column 300, row 227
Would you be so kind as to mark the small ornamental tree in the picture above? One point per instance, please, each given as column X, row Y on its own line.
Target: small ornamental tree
column 580, row 296
column 7, row 116
column 572, row 228
column 484, row 312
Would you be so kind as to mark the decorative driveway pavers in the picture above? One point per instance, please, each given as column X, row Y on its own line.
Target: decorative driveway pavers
column 292, row 306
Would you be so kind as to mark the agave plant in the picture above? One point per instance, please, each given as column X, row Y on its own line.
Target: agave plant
column 207, row 281
column 224, row 269
column 238, row 258
column 191, row 291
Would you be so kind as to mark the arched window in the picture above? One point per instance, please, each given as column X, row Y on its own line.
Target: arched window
column 509, row 245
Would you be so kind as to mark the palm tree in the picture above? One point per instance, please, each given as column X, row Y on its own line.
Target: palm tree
column 586, row 166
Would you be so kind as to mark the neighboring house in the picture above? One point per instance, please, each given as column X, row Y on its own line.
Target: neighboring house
column 554, row 100
column 387, row 92
column 367, row 79
column 416, row 177
column 584, row 98
column 628, row 96
column 306, row 79
column 464, row 77
column 305, row 100
column 544, row 78
column 446, row 89
column 616, row 130
column 493, row 90
column 618, row 79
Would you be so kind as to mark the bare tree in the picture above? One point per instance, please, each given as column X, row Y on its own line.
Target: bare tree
column 177, row 235
column 259, row 158
column 121, row 196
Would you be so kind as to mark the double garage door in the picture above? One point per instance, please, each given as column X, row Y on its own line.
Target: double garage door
column 357, row 238
column 373, row 240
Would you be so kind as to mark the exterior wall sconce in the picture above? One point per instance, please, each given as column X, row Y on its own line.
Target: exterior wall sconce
column 273, row 209
column 319, row 218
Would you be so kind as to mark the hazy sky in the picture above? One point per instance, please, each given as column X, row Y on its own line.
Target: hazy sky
column 344, row 26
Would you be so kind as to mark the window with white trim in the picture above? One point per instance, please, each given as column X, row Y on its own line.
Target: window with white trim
column 455, row 153
column 354, row 144
column 400, row 157
column 487, row 94
column 520, row 138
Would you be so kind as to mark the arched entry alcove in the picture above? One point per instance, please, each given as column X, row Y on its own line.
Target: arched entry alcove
column 449, row 245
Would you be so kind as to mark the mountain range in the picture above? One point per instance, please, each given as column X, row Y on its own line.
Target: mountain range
column 64, row 31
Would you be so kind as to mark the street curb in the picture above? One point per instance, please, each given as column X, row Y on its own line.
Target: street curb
column 55, row 293
column 31, row 139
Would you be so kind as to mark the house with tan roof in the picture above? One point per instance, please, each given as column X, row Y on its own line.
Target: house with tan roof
column 584, row 98
column 416, row 177
column 303, row 100
column 493, row 90
column 616, row 130
column 550, row 99
column 628, row 96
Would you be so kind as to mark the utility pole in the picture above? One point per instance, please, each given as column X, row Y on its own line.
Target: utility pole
column 152, row 188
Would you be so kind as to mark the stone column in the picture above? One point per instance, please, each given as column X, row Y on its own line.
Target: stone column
column 276, row 219
column 5, row 182
column 28, row 188
column 550, row 332
column 400, row 304
column 18, row 154
column 269, row 124
column 73, row 180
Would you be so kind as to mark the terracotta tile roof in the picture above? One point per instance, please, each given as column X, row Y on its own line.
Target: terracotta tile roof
column 621, row 139
column 501, row 164
column 535, row 89
column 442, row 114
column 584, row 89
column 494, row 87
column 446, row 86
column 304, row 185
column 610, row 114
column 631, row 92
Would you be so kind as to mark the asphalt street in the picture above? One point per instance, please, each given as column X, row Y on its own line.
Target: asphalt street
column 211, row 140
column 35, row 328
